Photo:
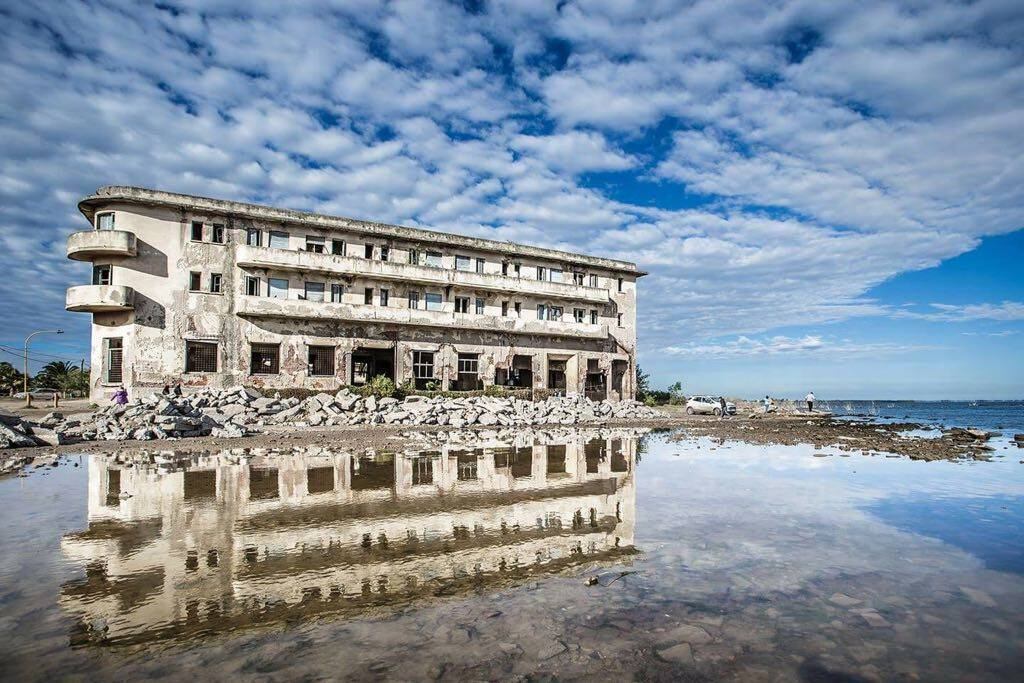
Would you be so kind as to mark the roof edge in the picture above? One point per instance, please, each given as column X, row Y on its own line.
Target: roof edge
column 144, row 195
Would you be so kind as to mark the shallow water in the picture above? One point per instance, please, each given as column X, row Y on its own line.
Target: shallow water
column 470, row 559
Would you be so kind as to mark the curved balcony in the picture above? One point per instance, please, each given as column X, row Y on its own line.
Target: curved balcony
column 88, row 244
column 99, row 298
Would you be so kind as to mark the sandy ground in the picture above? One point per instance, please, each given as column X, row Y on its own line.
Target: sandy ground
column 41, row 408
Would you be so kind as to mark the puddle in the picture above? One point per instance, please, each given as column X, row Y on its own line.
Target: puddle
column 474, row 557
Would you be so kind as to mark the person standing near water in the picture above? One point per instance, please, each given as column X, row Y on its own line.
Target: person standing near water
column 810, row 401
column 767, row 404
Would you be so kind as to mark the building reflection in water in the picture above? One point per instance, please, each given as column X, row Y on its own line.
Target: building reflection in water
column 189, row 544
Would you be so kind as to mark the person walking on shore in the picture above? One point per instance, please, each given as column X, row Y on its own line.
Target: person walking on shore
column 721, row 403
column 767, row 404
column 810, row 401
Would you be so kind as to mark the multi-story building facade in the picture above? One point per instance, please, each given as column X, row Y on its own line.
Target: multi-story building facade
column 208, row 292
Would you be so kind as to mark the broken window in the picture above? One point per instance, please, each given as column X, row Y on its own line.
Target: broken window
column 102, row 275
column 542, row 273
column 480, row 266
column 385, row 252
column 620, row 319
column 504, row 309
column 542, row 312
column 515, row 269
column 252, row 286
column 433, row 301
column 215, row 283
column 414, row 257
column 337, row 291
column 278, row 239
column 462, row 263
column 368, row 296
column 519, row 309
column 504, row 268
column 314, row 291
column 217, row 233
column 321, row 361
column 593, row 317
column 197, row 231
column 338, row 247
column 115, row 359
column 315, row 244
column 555, row 313
column 479, row 306
column 433, row 259
column 264, row 359
column 577, row 279
column 593, row 280
column 254, row 237
column 414, row 299
column 462, row 304
column 620, row 284
column 277, row 288
column 368, row 250
column 200, row 356
column 423, row 368
column 384, row 296
column 468, row 366
column 195, row 281
column 105, row 221
column 579, row 315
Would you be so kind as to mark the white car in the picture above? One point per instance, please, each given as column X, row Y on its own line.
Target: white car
column 38, row 393
column 708, row 405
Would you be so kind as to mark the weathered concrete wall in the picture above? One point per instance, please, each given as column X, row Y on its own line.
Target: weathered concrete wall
column 166, row 312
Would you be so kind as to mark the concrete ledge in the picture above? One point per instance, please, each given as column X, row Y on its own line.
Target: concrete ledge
column 88, row 244
column 99, row 298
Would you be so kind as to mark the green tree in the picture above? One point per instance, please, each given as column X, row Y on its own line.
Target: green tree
column 63, row 376
column 11, row 380
column 643, row 383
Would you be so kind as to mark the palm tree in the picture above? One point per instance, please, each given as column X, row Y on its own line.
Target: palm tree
column 66, row 377
column 11, row 379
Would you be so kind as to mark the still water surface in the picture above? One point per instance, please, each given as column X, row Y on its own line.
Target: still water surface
column 470, row 559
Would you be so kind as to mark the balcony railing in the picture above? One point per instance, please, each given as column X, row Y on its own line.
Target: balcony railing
column 266, row 307
column 88, row 244
column 99, row 298
column 329, row 264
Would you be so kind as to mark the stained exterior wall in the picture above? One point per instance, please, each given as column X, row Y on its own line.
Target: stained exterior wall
column 162, row 312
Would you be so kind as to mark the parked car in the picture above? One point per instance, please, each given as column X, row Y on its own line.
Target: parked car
column 708, row 405
column 39, row 393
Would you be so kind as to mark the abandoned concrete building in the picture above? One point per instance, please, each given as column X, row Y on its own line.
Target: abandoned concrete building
column 207, row 292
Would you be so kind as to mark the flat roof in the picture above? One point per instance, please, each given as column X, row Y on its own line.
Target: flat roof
column 143, row 195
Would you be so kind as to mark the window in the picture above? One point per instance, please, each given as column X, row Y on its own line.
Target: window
column 414, row 257
column 315, row 244
column 314, row 291
column 519, row 309
column 504, row 267
column 254, row 237
column 542, row 273
column 264, row 359
column 577, row 279
column 433, row 259
column 195, row 281
column 215, row 283
column 555, row 275
column 383, row 297
column 504, row 309
column 555, row 313
column 278, row 240
column 104, row 221
column 479, row 306
column 337, row 291
column 468, row 366
column 515, row 269
column 462, row 304
column 620, row 320
column 277, row 288
column 197, row 231
column 200, row 356
column 368, row 250
column 461, row 263
column 579, row 315
column 620, row 284
column 593, row 317
column 102, row 275
column 593, row 280
column 542, row 311
column 385, row 252
column 368, row 296
column 252, row 286
column 115, row 359
column 217, row 234
column 414, row 299
column 480, row 266
column 422, row 367
column 338, row 247
column 321, row 361
column 433, row 301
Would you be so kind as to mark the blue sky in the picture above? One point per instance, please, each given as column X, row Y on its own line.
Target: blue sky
column 828, row 196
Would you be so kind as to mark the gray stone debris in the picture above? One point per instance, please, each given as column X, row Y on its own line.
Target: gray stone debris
column 239, row 411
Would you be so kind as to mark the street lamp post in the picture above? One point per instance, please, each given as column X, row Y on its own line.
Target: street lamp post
column 28, row 396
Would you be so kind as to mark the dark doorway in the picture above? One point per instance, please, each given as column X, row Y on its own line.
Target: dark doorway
column 596, row 387
column 556, row 376
column 369, row 363
column 619, row 368
column 520, row 375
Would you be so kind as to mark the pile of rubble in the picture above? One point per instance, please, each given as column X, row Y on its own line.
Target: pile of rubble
column 238, row 411
column 16, row 432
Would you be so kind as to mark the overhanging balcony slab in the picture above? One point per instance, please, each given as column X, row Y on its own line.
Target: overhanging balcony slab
column 99, row 298
column 329, row 264
column 88, row 244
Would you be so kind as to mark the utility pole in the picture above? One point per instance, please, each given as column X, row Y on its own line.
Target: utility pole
column 28, row 396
